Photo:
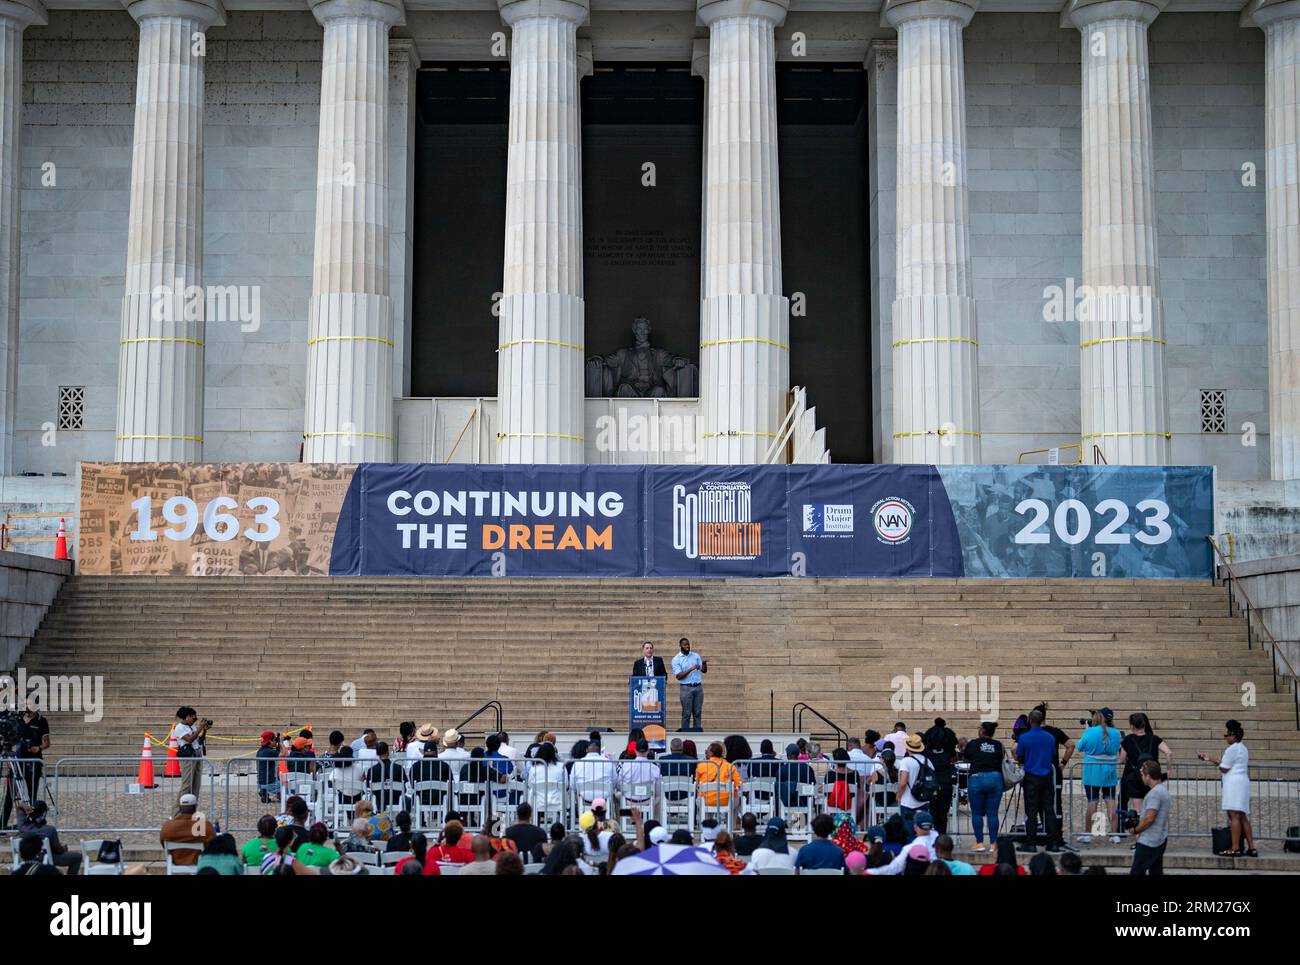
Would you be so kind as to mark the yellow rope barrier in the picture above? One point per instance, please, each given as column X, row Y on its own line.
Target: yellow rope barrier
column 540, row 341
column 731, row 341
column 916, row 341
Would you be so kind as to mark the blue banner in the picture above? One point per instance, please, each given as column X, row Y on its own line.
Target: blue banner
column 759, row 521
column 647, row 702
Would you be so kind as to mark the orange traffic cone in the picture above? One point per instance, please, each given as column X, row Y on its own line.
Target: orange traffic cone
column 284, row 771
column 173, row 766
column 61, row 543
column 145, row 776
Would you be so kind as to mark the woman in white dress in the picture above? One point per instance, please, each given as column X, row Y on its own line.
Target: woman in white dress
column 1234, row 766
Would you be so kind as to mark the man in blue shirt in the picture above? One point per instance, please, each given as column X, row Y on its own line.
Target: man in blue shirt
column 821, row 852
column 687, row 668
column 1036, row 751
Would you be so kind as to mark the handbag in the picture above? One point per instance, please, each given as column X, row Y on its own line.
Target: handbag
column 1012, row 772
column 1220, row 839
column 110, row 852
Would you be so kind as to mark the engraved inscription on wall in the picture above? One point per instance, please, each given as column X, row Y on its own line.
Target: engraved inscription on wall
column 641, row 248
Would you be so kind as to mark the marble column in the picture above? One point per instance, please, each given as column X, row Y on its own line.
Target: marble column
column 15, row 16
column 1281, row 25
column 350, row 343
column 935, row 343
column 540, row 354
column 160, row 360
column 745, row 324
column 1125, row 410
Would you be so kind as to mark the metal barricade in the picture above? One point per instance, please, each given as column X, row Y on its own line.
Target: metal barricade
column 1196, row 799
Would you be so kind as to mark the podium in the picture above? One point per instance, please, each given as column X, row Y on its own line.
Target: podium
column 647, row 705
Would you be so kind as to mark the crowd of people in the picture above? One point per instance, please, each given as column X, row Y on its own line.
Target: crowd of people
column 584, row 813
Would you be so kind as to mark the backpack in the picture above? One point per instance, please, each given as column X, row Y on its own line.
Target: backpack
column 926, row 787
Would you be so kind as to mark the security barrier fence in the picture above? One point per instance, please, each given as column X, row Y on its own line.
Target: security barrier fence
column 99, row 794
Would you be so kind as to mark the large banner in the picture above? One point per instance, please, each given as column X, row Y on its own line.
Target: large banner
column 666, row 521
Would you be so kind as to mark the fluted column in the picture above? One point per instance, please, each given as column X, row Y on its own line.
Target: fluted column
column 15, row 15
column 745, row 319
column 540, row 354
column 935, row 344
column 160, row 360
column 1281, row 24
column 349, row 403
column 1125, row 410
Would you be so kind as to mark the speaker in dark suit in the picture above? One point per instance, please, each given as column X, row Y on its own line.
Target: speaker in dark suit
column 648, row 665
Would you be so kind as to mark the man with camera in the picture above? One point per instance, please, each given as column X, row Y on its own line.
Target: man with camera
column 191, row 735
column 27, row 738
column 1152, row 830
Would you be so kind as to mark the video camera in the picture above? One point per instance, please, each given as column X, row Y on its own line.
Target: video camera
column 1128, row 818
column 11, row 727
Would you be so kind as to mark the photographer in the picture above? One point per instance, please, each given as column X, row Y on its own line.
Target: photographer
column 1152, row 831
column 28, row 736
column 190, row 735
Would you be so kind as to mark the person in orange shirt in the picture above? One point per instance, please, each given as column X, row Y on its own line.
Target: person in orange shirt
column 712, row 777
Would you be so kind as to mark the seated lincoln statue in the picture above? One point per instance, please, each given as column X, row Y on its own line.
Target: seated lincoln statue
column 642, row 371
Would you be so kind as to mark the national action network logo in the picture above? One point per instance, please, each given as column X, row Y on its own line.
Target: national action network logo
column 716, row 522
column 891, row 518
column 820, row 519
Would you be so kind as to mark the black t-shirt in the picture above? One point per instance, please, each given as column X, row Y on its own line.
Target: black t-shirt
column 1136, row 748
column 37, row 868
column 940, row 747
column 985, row 754
column 32, row 732
column 525, row 836
column 746, row 843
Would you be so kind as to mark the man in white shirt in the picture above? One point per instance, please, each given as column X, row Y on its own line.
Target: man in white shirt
column 453, row 751
column 638, row 779
column 910, row 768
column 369, row 748
column 505, row 750
column 899, row 739
column 367, row 739
column 594, row 767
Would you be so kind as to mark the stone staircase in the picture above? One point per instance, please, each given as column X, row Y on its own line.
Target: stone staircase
column 349, row 653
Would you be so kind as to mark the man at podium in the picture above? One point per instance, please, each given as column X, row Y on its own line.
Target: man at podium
column 649, row 665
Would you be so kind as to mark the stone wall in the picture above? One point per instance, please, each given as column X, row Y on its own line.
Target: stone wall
column 28, row 585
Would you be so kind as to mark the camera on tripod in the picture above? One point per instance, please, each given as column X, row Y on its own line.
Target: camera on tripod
column 11, row 729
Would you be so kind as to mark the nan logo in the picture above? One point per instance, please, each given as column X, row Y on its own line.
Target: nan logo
column 892, row 519
column 828, row 518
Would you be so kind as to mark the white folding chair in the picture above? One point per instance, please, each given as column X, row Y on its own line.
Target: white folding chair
column 820, row 871
column 46, row 857
column 389, row 859
column 252, row 869
column 90, row 866
column 306, row 787
column 758, row 797
column 584, row 792
column 370, row 859
column 182, row 869
column 679, row 813
column 391, row 794
column 774, row 871
column 470, row 800
column 433, row 814
column 799, row 816
column 448, row 868
column 637, row 796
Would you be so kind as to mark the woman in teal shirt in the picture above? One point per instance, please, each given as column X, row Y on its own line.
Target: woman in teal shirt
column 1099, row 746
column 222, row 855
